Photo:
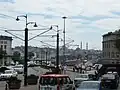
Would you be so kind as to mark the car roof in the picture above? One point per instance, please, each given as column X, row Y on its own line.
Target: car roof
column 54, row 75
column 19, row 65
column 84, row 74
column 91, row 81
column 9, row 70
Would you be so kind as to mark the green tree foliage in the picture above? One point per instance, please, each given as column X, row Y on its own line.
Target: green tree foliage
column 2, row 53
column 30, row 55
column 16, row 56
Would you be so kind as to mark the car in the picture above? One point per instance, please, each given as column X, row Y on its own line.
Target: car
column 55, row 82
column 19, row 68
column 31, row 63
column 93, row 74
column 110, row 81
column 3, row 68
column 90, row 85
column 8, row 74
column 79, row 78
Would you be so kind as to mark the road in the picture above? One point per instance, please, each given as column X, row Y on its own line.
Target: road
column 38, row 71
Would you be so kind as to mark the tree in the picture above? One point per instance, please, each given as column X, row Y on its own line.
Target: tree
column 2, row 54
column 30, row 55
column 16, row 56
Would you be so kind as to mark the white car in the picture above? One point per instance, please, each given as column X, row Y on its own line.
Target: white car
column 19, row 68
column 31, row 63
column 79, row 78
column 8, row 74
column 90, row 85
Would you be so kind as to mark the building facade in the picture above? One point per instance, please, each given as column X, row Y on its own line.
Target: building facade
column 110, row 51
column 6, row 46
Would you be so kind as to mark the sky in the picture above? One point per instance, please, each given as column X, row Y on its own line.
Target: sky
column 87, row 20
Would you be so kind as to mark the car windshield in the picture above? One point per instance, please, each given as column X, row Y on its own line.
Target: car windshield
column 89, row 85
column 82, row 76
column 7, row 72
column 53, row 80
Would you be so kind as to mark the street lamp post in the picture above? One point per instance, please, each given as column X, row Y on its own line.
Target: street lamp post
column 57, row 50
column 26, row 46
column 64, row 42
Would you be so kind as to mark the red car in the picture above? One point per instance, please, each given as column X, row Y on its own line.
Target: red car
column 55, row 82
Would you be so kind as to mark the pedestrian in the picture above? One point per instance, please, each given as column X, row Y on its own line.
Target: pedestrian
column 65, row 69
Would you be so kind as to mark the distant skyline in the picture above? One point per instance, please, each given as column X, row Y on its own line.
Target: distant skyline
column 87, row 20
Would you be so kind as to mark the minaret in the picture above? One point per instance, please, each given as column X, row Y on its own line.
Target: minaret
column 81, row 45
column 87, row 46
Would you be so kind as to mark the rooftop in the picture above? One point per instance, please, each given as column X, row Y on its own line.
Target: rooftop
column 5, row 38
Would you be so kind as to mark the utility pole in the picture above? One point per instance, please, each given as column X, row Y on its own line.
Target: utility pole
column 26, row 46
column 26, row 57
column 64, row 42
column 46, row 57
column 57, row 52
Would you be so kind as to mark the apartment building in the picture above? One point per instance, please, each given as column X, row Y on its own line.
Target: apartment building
column 110, row 51
column 6, row 45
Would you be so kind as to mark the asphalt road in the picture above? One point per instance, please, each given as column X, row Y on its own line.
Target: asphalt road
column 38, row 71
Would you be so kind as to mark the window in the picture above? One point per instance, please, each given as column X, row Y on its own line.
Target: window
column 109, row 45
column 117, row 54
column 5, row 42
column 5, row 46
column 2, row 47
column 1, row 42
column 112, row 54
column 109, row 54
column 104, row 54
column 103, row 45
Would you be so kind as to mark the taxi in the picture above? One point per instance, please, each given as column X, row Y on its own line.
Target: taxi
column 55, row 82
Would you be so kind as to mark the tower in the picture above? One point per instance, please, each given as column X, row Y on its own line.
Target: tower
column 81, row 45
column 87, row 46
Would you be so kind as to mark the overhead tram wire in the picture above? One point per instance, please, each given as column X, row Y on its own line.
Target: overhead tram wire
column 14, row 35
column 40, row 34
column 24, row 30
column 44, row 43
column 43, row 35
column 7, row 16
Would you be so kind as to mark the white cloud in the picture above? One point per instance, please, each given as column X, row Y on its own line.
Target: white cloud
column 74, row 27
column 109, row 24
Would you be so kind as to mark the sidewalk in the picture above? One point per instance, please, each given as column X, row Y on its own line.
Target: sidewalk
column 29, row 87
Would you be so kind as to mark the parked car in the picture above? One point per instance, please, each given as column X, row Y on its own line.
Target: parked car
column 19, row 68
column 55, row 82
column 31, row 63
column 79, row 78
column 8, row 74
column 110, row 81
column 90, row 85
column 3, row 68
column 116, row 75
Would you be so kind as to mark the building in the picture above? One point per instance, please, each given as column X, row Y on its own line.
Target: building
column 110, row 51
column 6, row 46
